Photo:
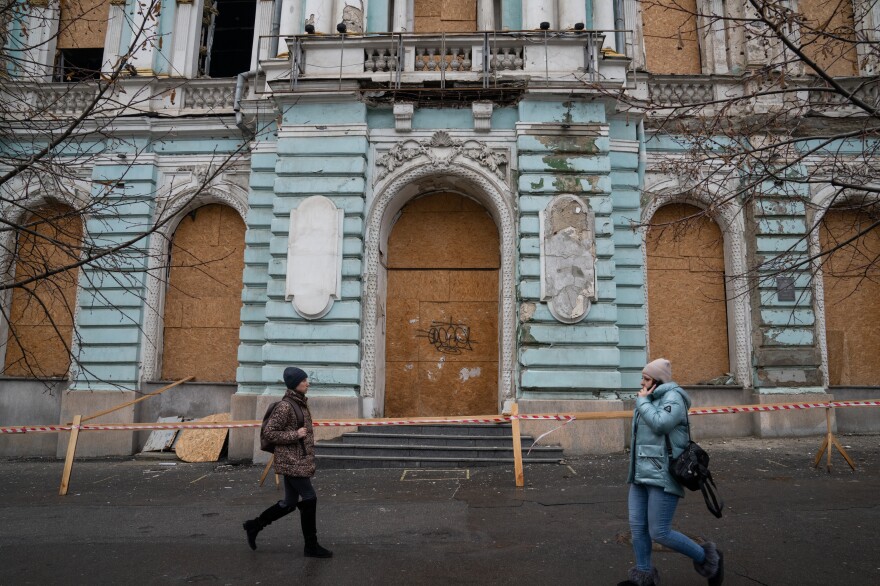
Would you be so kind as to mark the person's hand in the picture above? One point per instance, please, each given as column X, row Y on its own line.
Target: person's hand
column 301, row 432
column 643, row 392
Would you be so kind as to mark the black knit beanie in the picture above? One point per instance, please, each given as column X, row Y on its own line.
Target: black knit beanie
column 293, row 376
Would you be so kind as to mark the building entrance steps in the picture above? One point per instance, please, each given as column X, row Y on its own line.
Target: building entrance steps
column 430, row 446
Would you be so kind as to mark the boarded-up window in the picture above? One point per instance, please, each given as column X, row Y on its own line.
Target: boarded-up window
column 41, row 316
column 670, row 31
column 687, row 311
column 203, row 299
column 449, row 16
column 851, row 280
column 83, row 24
column 81, row 31
column 828, row 35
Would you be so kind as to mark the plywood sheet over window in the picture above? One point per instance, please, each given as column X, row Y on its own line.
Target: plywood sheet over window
column 83, row 24
column 449, row 16
column 687, row 312
column 670, row 32
column 828, row 35
column 203, row 299
column 851, row 280
column 442, row 310
column 41, row 316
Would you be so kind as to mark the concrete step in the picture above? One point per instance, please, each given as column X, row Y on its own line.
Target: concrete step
column 430, row 446
column 482, row 429
column 360, row 438
column 349, row 462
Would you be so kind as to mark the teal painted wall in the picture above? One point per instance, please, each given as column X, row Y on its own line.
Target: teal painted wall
column 110, row 307
column 557, row 359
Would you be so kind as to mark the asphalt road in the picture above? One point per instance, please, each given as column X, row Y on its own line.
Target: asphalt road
column 146, row 522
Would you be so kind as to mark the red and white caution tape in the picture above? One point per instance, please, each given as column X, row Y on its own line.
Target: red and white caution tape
column 785, row 407
column 421, row 421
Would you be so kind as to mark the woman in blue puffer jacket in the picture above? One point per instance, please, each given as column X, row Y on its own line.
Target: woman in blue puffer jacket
column 661, row 410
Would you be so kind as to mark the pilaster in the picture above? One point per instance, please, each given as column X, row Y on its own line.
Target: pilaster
column 185, row 44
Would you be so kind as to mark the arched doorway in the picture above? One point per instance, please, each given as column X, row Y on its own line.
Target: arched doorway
column 687, row 308
column 851, row 284
column 442, row 313
column 203, row 298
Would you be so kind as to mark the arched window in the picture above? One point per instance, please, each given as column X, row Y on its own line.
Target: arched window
column 203, row 298
column 851, row 283
column 687, row 309
column 41, row 315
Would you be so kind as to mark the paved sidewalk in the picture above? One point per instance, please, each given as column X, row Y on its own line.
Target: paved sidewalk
column 142, row 522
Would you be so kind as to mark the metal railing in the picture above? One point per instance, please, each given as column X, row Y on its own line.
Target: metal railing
column 490, row 58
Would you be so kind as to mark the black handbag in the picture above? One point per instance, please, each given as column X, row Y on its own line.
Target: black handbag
column 691, row 470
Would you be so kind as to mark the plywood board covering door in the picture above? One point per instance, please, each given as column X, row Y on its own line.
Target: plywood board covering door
column 442, row 310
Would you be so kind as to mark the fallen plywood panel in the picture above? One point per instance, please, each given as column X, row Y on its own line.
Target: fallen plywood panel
column 161, row 440
column 202, row 445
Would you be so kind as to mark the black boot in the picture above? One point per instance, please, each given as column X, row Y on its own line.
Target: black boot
column 307, row 516
column 712, row 567
column 640, row 578
column 254, row 526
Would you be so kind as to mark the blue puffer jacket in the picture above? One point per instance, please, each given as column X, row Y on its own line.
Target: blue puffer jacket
column 662, row 412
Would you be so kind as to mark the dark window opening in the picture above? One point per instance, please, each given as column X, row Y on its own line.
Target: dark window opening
column 73, row 65
column 227, row 37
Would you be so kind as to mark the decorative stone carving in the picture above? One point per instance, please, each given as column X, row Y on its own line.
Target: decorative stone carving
column 442, row 150
column 403, row 114
column 314, row 257
column 568, row 258
column 482, row 116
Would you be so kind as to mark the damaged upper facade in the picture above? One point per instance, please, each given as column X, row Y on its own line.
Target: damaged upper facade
column 438, row 211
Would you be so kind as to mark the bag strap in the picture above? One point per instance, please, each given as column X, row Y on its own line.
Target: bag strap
column 687, row 422
column 298, row 413
column 714, row 503
column 300, row 419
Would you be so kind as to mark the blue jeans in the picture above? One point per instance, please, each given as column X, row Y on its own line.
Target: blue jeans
column 650, row 519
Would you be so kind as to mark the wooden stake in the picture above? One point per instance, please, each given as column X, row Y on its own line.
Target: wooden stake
column 517, row 447
column 829, row 443
column 266, row 470
column 71, row 451
column 138, row 400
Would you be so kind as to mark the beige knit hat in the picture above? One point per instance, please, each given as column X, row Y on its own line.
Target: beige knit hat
column 659, row 370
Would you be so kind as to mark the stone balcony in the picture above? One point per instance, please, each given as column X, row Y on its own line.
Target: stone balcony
column 484, row 60
column 129, row 96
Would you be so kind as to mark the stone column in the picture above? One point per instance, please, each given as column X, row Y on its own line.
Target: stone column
column 291, row 19
column 603, row 20
column 714, row 41
column 40, row 40
column 534, row 12
column 320, row 13
column 145, row 30
column 571, row 12
column 399, row 20
column 485, row 15
column 185, row 39
column 115, row 22
column 262, row 28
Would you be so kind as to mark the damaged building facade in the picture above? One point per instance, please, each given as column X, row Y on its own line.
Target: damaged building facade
column 434, row 208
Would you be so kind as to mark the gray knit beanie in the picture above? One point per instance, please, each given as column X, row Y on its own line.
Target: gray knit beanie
column 660, row 370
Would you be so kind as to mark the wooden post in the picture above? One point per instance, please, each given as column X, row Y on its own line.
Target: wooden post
column 71, row 450
column 829, row 443
column 517, row 447
column 266, row 470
